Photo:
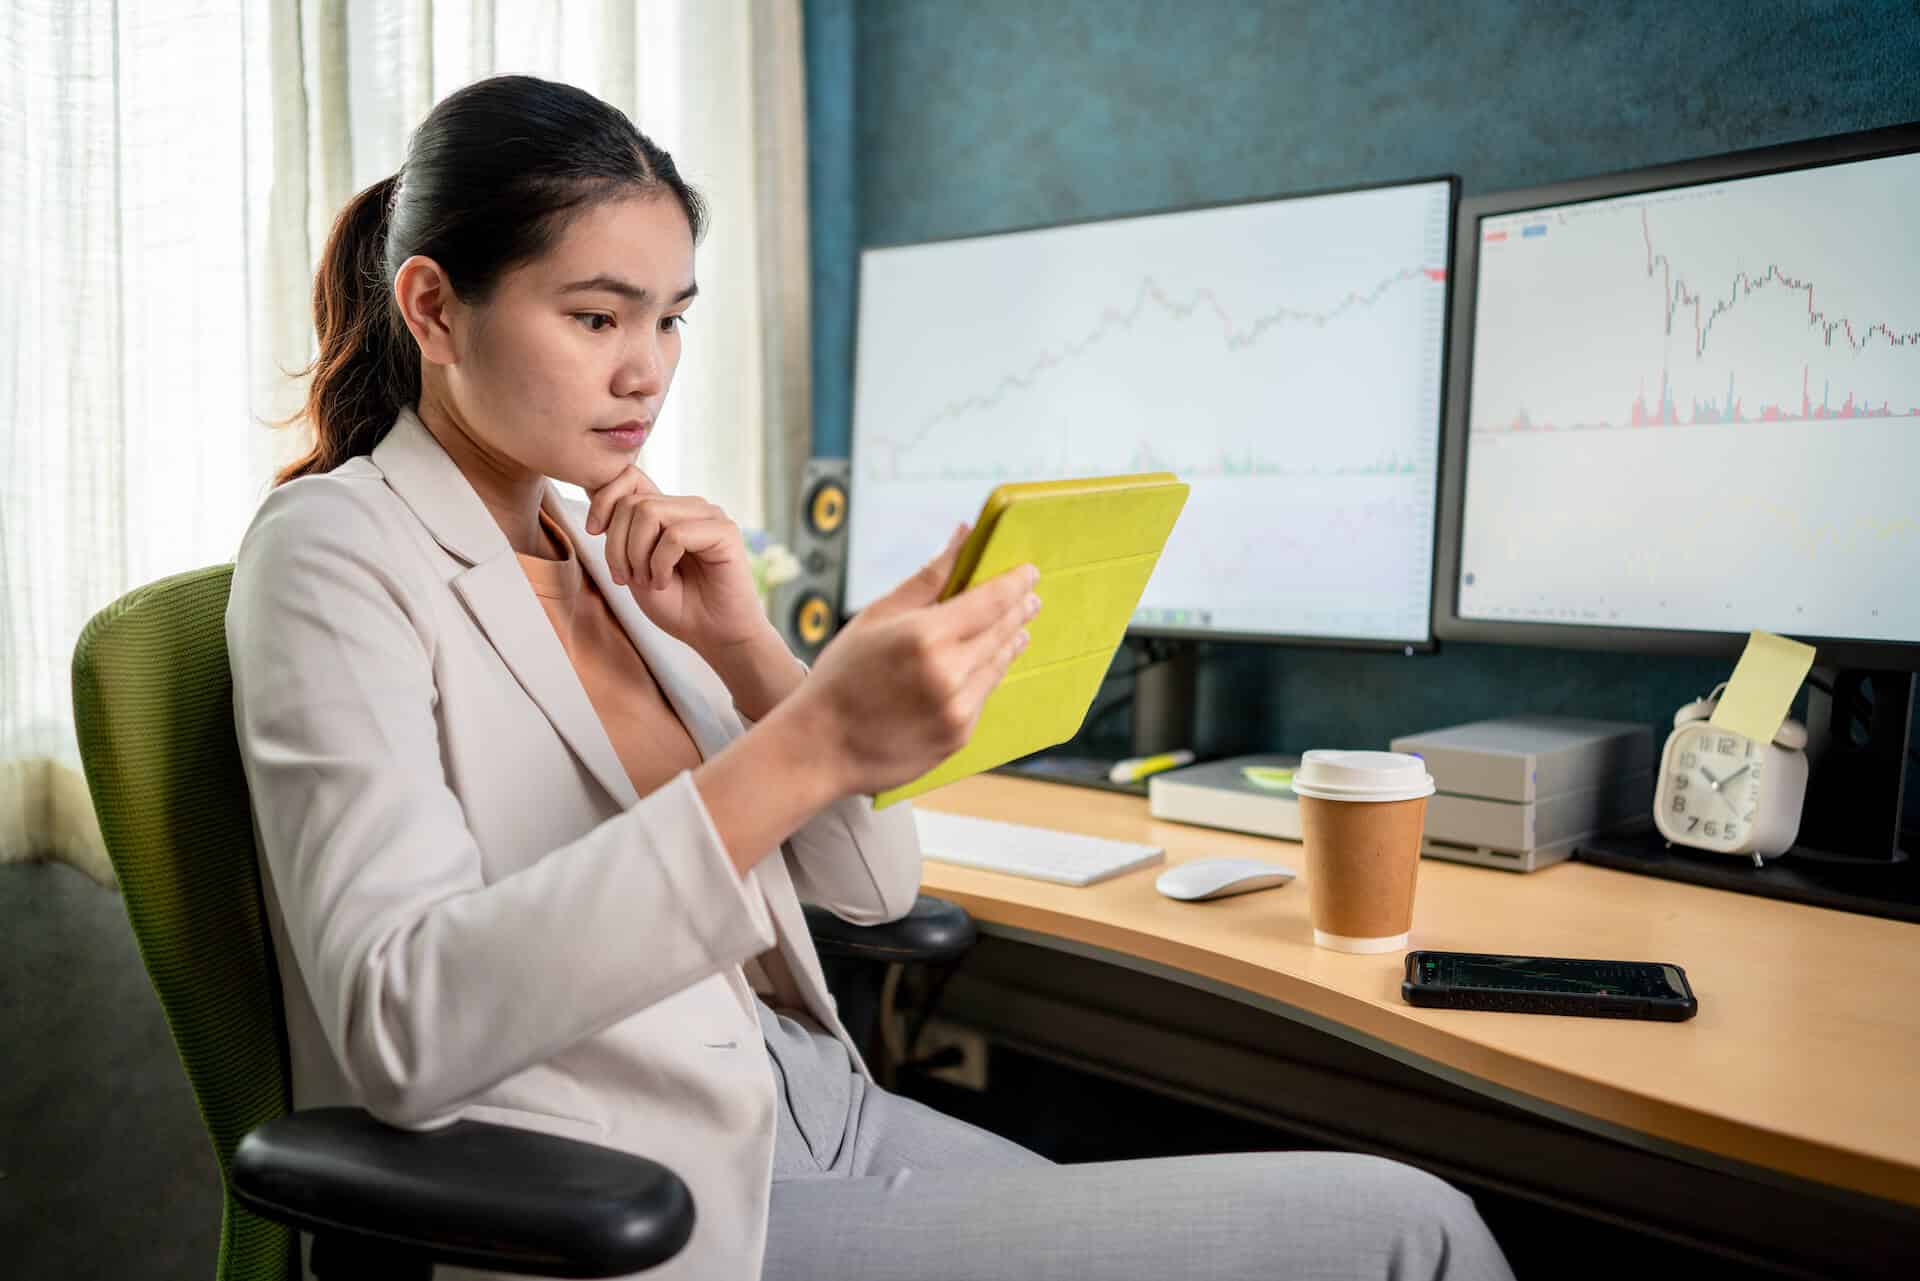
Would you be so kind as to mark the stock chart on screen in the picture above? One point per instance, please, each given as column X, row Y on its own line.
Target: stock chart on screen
column 1699, row 408
column 1281, row 356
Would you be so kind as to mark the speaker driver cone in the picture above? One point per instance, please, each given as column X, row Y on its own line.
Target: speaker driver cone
column 813, row 618
column 826, row 508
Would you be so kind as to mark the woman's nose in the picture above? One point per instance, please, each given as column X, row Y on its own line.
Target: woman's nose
column 641, row 373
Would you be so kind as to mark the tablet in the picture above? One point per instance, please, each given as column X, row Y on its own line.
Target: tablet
column 1095, row 542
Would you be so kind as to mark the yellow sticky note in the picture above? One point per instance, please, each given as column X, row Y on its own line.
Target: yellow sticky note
column 1764, row 682
column 1274, row 780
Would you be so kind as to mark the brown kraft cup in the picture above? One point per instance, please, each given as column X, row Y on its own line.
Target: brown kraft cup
column 1363, row 861
column 1362, row 835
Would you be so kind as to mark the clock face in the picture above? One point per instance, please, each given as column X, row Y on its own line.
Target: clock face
column 1711, row 793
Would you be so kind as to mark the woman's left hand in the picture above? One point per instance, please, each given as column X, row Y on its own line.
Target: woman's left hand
column 682, row 558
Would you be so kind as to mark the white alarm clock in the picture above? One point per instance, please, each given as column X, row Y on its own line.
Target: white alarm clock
column 1721, row 791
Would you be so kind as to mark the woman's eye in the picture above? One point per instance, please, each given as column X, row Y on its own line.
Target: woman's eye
column 670, row 323
column 589, row 318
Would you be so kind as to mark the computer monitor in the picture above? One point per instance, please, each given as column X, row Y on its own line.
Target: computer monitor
column 1284, row 356
column 1686, row 405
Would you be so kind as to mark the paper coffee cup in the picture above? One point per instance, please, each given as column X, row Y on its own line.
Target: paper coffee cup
column 1361, row 815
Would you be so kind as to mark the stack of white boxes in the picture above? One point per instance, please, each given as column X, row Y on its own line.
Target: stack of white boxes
column 1521, row 791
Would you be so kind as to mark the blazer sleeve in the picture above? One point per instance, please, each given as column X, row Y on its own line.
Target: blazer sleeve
column 861, row 864
column 433, row 985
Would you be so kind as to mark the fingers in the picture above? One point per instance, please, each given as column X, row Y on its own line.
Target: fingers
column 976, row 665
column 602, row 500
column 940, row 568
column 606, row 512
column 999, row 648
column 926, row 583
column 637, row 522
column 684, row 538
column 984, row 646
column 619, row 527
column 979, row 607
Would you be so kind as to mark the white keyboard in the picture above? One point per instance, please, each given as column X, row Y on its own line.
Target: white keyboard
column 1038, row 852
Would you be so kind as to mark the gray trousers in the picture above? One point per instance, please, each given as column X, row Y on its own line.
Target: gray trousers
column 869, row 1185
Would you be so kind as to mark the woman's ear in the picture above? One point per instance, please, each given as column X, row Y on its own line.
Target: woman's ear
column 428, row 307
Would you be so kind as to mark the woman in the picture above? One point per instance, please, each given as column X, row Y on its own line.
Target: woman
column 539, row 791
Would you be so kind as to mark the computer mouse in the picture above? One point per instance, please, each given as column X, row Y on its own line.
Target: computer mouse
column 1218, row 877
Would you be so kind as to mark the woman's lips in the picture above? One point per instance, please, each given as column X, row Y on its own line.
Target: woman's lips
column 627, row 435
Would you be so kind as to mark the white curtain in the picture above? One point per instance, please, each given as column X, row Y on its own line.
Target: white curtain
column 168, row 172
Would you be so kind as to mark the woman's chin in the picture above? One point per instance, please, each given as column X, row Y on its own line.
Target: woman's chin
column 592, row 473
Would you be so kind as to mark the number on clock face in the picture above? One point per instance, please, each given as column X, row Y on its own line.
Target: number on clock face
column 1715, row 786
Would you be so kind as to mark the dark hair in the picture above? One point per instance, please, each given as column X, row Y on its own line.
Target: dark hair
column 491, row 178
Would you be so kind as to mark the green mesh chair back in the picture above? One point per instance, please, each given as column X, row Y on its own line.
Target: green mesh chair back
column 153, row 703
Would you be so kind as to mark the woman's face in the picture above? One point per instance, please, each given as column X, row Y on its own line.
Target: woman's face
column 564, row 369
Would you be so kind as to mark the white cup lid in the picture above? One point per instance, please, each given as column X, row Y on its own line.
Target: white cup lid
column 1362, row 776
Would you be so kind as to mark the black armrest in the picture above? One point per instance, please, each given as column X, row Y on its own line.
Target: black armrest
column 933, row 930
column 473, row 1194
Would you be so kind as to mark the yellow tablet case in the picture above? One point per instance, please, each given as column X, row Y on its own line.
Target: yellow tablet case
column 1095, row 543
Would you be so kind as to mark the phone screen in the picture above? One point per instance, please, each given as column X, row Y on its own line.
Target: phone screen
column 1552, row 974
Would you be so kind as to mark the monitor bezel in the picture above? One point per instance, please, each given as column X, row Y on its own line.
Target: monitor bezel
column 1379, row 644
column 1448, row 625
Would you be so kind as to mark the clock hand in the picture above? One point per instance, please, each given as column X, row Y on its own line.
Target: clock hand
column 1720, row 783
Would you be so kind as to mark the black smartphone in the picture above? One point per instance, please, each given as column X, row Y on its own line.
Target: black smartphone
column 1549, row 985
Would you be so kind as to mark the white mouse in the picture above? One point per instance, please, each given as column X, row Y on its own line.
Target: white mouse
column 1218, row 877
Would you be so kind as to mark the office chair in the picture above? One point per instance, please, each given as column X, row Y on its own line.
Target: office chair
column 153, row 705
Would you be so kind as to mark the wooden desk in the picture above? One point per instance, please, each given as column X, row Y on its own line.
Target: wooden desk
column 1803, row 1060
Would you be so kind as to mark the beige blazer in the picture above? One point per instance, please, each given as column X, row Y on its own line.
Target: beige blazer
column 474, row 913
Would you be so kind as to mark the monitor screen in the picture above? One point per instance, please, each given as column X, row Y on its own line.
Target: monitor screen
column 1283, row 356
column 1695, row 407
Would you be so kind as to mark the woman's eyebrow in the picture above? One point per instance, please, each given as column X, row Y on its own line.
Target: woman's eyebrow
column 614, row 285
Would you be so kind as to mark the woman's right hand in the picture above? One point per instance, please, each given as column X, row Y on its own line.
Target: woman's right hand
column 901, row 687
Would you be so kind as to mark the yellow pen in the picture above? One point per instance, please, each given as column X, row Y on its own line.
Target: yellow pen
column 1136, row 768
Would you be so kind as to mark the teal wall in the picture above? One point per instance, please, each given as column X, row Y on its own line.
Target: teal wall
column 936, row 118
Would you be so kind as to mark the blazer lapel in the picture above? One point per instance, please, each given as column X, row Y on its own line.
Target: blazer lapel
column 507, row 610
column 496, row 591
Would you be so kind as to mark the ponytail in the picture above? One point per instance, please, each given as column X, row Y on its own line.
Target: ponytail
column 368, row 366
column 493, row 174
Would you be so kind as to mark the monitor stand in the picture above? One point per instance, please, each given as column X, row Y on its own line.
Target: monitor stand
column 1849, row 855
column 1165, row 690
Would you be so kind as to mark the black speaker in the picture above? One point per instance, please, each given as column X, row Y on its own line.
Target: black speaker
column 807, row 609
